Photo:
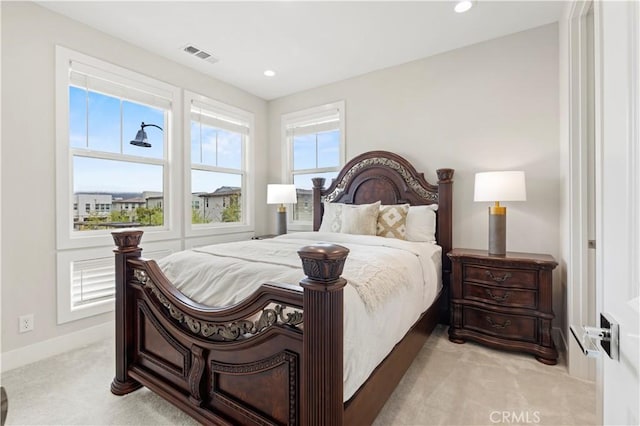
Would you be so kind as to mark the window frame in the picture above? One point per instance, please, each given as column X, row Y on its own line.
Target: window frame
column 299, row 117
column 247, row 163
column 67, row 238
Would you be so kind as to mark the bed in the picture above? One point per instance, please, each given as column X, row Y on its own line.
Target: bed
column 276, row 353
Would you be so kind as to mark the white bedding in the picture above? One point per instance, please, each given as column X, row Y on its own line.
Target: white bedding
column 378, row 311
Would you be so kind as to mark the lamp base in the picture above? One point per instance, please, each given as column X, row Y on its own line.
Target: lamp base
column 497, row 233
column 281, row 222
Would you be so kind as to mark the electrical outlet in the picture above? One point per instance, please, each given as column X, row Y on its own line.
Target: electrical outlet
column 25, row 323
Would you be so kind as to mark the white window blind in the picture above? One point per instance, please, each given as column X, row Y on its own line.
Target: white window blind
column 324, row 122
column 93, row 280
column 97, row 80
column 212, row 116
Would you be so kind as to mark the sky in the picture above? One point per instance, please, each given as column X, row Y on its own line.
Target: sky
column 103, row 123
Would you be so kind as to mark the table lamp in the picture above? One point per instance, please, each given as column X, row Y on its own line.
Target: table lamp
column 496, row 187
column 281, row 194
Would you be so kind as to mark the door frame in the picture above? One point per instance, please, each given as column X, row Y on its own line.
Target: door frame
column 580, row 280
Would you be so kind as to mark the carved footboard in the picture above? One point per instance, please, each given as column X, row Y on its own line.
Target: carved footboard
column 275, row 358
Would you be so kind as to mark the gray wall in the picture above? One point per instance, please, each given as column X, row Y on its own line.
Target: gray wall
column 29, row 36
column 490, row 106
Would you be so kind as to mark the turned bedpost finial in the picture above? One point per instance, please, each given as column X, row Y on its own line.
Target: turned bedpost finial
column 323, row 263
column 445, row 175
column 318, row 182
column 322, row 342
column 127, row 240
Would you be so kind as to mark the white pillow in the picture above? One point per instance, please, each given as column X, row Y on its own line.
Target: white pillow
column 392, row 221
column 332, row 218
column 360, row 219
column 421, row 223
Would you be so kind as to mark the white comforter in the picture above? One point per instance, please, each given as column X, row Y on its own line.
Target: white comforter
column 390, row 283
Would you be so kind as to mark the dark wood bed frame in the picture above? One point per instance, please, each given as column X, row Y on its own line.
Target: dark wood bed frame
column 290, row 370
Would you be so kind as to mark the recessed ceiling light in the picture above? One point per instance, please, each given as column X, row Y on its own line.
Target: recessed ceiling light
column 463, row 6
column 269, row 73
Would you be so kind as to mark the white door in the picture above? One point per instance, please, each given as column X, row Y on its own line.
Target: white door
column 618, row 202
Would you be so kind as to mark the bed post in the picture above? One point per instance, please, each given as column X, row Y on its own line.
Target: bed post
column 128, row 248
column 445, row 217
column 318, row 186
column 445, row 234
column 322, row 370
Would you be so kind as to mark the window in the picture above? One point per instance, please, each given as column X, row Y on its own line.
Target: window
column 105, row 182
column 315, row 148
column 100, row 108
column 102, row 121
column 219, row 136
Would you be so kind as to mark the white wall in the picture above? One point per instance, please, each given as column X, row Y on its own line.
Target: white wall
column 29, row 36
column 490, row 106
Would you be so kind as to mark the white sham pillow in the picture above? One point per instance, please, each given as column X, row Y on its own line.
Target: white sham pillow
column 360, row 219
column 332, row 218
column 421, row 223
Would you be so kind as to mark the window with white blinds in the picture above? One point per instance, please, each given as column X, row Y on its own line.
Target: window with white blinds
column 314, row 140
column 103, row 180
column 219, row 136
column 101, row 164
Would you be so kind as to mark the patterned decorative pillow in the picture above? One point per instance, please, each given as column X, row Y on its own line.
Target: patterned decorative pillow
column 360, row 219
column 392, row 221
column 332, row 218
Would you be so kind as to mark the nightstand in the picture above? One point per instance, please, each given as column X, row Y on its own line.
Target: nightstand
column 503, row 301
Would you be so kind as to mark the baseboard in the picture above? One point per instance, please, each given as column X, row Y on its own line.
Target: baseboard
column 48, row 348
column 558, row 338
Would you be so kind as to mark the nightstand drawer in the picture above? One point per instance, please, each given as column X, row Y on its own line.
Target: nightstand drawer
column 505, row 326
column 500, row 276
column 501, row 296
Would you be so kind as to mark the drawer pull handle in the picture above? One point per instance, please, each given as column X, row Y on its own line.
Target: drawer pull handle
column 496, row 325
column 501, row 279
column 500, row 299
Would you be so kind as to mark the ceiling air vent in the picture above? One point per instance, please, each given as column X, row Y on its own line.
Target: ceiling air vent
column 194, row 51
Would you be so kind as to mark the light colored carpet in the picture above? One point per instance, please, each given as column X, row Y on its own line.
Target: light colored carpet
column 448, row 384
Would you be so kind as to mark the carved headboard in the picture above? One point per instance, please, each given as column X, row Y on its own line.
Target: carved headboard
column 389, row 178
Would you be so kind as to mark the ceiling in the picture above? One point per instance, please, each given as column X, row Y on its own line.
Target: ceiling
column 307, row 44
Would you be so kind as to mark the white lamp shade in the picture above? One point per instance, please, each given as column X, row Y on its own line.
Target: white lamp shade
column 500, row 186
column 281, row 194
